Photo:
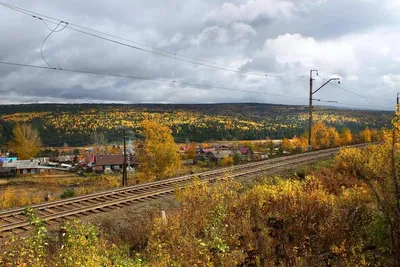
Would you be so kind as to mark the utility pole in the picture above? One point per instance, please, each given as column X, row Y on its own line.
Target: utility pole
column 310, row 121
column 310, row 110
column 397, row 106
column 124, row 178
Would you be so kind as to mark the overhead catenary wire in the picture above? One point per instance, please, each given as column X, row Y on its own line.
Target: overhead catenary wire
column 144, row 78
column 170, row 82
column 158, row 52
column 48, row 36
column 173, row 56
column 350, row 104
column 353, row 92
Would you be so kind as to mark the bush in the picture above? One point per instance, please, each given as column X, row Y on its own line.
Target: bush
column 78, row 245
column 226, row 161
column 275, row 223
column 67, row 193
column 201, row 164
column 237, row 158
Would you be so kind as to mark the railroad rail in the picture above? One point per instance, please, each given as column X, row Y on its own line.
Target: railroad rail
column 14, row 222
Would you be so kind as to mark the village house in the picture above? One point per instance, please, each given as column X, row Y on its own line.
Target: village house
column 206, row 150
column 247, row 153
column 112, row 163
column 217, row 156
column 24, row 166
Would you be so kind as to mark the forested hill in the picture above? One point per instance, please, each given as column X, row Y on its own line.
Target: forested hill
column 75, row 123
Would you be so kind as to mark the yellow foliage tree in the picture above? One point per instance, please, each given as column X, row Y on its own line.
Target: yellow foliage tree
column 226, row 161
column 346, row 138
column 365, row 136
column 300, row 143
column 324, row 137
column 158, row 155
column 25, row 142
column 286, row 145
column 191, row 153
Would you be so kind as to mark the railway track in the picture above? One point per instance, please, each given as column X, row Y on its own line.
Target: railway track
column 14, row 222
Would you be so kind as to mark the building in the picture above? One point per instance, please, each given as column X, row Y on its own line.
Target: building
column 24, row 166
column 113, row 163
column 247, row 153
column 217, row 156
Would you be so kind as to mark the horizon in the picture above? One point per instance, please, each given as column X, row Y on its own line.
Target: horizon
column 222, row 103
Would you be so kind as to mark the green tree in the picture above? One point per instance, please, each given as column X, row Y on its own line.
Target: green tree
column 25, row 142
column 236, row 158
column 158, row 154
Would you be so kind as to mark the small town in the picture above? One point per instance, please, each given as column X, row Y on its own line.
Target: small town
column 88, row 161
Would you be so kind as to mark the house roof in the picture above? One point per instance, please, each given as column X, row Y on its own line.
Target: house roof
column 244, row 150
column 2, row 159
column 184, row 148
column 221, row 154
column 22, row 164
column 102, row 160
column 208, row 149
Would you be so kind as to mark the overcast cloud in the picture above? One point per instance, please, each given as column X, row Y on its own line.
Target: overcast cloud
column 356, row 40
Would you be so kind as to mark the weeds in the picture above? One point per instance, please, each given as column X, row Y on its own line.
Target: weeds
column 67, row 193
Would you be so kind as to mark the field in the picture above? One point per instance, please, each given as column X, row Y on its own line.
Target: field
column 75, row 124
column 34, row 189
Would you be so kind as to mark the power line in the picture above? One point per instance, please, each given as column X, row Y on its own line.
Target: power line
column 355, row 93
column 350, row 105
column 143, row 78
column 47, row 37
column 168, row 81
column 163, row 53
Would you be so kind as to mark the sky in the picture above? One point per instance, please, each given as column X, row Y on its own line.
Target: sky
column 194, row 51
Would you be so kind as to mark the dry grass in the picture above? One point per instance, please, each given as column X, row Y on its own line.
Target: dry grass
column 28, row 190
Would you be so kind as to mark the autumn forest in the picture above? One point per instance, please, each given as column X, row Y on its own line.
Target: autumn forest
column 75, row 124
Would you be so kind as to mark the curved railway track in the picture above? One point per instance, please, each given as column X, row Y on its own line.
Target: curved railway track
column 14, row 221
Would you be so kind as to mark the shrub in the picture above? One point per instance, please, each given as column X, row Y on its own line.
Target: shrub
column 30, row 250
column 201, row 164
column 237, row 158
column 226, row 161
column 67, row 193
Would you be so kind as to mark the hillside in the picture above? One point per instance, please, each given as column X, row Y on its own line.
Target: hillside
column 75, row 123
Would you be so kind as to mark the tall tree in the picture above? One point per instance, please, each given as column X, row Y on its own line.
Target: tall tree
column 191, row 153
column 300, row 143
column 25, row 142
column 365, row 136
column 346, row 137
column 100, row 141
column 286, row 145
column 323, row 136
column 158, row 154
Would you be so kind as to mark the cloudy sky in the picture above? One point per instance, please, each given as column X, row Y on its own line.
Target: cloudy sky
column 234, row 45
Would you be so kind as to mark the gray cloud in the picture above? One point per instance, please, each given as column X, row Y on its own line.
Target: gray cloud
column 355, row 40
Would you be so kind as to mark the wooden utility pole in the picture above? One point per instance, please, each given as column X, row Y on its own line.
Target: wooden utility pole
column 310, row 107
column 124, row 176
column 310, row 111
